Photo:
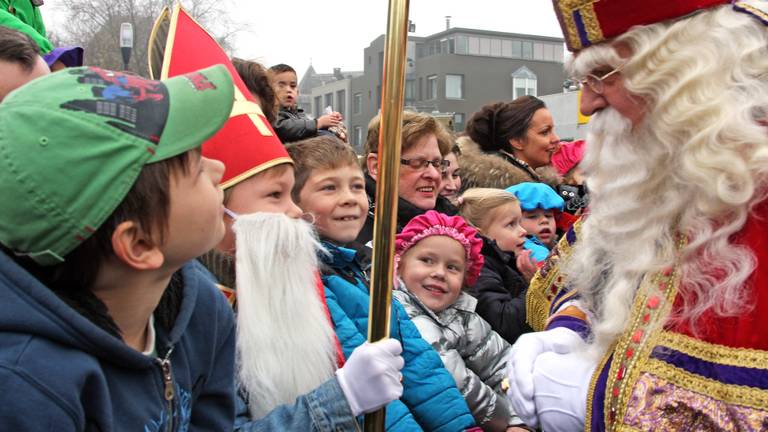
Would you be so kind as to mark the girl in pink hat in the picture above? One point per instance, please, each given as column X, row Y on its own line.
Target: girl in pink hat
column 436, row 257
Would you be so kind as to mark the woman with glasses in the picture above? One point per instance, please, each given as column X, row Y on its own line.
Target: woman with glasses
column 425, row 143
column 512, row 142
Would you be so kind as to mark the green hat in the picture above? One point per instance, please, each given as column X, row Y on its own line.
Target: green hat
column 73, row 143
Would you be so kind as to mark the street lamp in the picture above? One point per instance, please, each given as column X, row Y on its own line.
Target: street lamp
column 126, row 42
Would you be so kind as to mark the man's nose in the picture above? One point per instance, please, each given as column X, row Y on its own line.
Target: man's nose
column 591, row 102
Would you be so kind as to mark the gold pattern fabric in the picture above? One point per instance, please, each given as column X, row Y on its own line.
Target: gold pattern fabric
column 548, row 283
column 644, row 392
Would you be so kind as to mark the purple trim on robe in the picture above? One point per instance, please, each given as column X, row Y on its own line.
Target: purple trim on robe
column 554, row 306
column 598, row 398
column 570, row 236
column 726, row 374
column 571, row 323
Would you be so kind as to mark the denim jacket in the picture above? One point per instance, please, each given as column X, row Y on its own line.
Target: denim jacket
column 324, row 409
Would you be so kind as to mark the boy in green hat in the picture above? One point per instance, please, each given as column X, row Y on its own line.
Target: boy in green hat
column 105, row 197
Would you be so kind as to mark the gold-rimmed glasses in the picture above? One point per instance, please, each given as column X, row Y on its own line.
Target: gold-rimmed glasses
column 596, row 82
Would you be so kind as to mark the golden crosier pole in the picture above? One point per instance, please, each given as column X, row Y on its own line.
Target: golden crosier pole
column 385, row 217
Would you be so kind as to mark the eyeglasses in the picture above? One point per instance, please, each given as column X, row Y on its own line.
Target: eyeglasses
column 421, row 163
column 595, row 82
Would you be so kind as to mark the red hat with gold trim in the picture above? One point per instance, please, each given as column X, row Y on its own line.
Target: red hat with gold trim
column 246, row 144
column 588, row 22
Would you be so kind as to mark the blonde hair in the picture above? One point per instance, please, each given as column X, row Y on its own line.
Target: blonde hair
column 701, row 165
column 479, row 206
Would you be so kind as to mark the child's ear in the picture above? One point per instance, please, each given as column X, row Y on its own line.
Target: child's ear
column 134, row 247
column 372, row 163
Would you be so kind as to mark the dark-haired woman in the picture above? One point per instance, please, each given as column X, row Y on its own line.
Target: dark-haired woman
column 509, row 143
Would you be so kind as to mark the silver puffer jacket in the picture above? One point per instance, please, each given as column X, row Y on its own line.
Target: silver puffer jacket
column 475, row 355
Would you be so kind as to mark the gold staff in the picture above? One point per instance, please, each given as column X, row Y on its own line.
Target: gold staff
column 385, row 216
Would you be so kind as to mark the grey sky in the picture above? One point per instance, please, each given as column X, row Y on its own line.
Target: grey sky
column 333, row 33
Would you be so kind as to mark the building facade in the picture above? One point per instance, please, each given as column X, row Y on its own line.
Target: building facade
column 455, row 71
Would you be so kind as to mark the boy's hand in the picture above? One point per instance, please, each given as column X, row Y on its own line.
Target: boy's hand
column 526, row 264
column 371, row 376
column 328, row 120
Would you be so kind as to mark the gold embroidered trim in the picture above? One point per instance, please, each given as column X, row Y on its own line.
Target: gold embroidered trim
column 635, row 345
column 742, row 357
column 542, row 290
column 591, row 390
column 586, row 9
column 728, row 393
column 567, row 296
column 757, row 12
column 625, row 428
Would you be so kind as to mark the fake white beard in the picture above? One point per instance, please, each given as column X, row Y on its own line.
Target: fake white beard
column 285, row 342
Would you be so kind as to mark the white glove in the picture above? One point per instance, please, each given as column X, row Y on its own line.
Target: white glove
column 520, row 366
column 371, row 376
column 561, row 383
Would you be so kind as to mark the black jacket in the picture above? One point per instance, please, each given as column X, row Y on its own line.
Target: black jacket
column 405, row 211
column 500, row 291
column 293, row 125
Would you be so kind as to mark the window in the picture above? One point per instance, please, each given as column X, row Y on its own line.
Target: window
column 485, row 46
column 523, row 83
column 517, row 49
column 432, row 87
column 443, row 46
column 357, row 103
column 528, row 50
column 421, row 88
column 549, row 52
column 559, row 53
column 506, row 48
column 341, row 102
column 410, row 89
column 454, row 86
column 461, row 44
column 538, row 51
column 458, row 122
column 318, row 106
column 474, row 45
column 358, row 137
column 328, row 100
column 496, row 47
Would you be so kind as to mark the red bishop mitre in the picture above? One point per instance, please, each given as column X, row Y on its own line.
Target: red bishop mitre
column 588, row 22
column 246, row 144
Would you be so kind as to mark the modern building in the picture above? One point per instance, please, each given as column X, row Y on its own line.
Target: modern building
column 334, row 85
column 455, row 71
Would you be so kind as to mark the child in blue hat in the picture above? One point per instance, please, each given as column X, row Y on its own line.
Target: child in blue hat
column 539, row 204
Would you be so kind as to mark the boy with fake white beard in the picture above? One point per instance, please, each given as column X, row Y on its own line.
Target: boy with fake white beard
column 286, row 346
column 286, row 349
column 330, row 186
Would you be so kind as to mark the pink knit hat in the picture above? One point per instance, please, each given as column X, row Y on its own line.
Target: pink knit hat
column 568, row 156
column 434, row 223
